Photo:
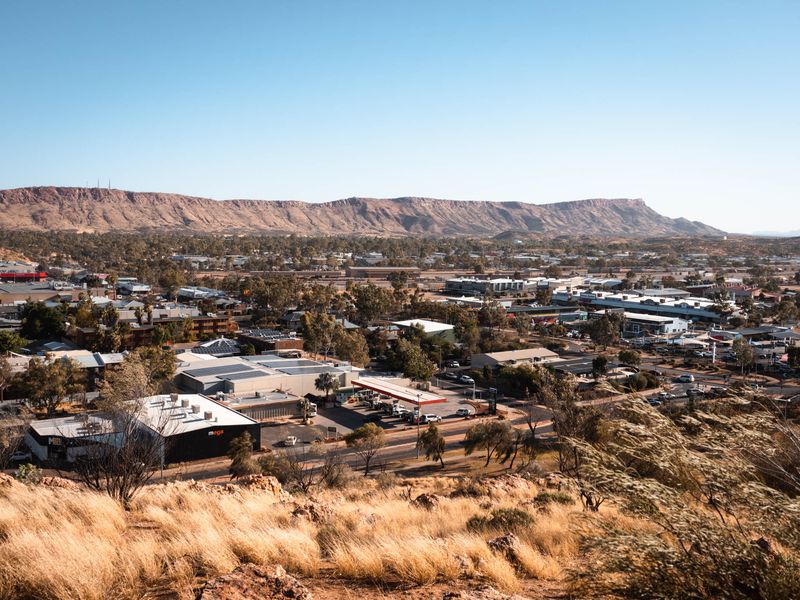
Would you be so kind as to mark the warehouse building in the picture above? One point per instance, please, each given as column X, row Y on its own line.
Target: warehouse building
column 246, row 375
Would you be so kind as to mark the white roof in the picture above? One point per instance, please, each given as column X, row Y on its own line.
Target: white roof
column 74, row 426
column 395, row 388
column 163, row 415
column 427, row 326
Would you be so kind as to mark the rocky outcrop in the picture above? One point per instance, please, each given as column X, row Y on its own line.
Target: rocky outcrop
column 101, row 210
column 252, row 582
column 507, row 546
column 427, row 501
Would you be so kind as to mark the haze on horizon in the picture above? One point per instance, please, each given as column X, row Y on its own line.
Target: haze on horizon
column 690, row 106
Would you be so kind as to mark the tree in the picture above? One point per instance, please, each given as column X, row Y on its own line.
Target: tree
column 467, row 332
column 493, row 436
column 7, row 376
column 371, row 302
column 432, row 443
column 327, row 382
column 367, row 440
column 47, row 381
column 552, row 272
column 39, row 321
column 240, row 452
column 629, row 357
column 127, row 382
column 544, row 296
column 13, row 426
column 743, row 353
column 319, row 332
column 599, row 366
column 794, row 356
column 159, row 365
column 605, row 330
column 10, row 341
column 351, row 346
column 411, row 360
column 248, row 350
column 127, row 453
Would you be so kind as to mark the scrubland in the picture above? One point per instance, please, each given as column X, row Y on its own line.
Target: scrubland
column 60, row 543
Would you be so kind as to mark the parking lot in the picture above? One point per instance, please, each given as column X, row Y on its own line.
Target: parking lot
column 337, row 421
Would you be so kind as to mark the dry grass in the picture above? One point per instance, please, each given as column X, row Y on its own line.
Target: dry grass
column 79, row 545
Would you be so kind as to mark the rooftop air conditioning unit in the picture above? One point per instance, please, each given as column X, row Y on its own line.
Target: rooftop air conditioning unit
column 208, row 415
column 195, row 409
column 663, row 300
column 173, row 398
column 184, row 403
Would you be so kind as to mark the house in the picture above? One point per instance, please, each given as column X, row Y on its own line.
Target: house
column 514, row 358
column 640, row 324
column 219, row 347
column 431, row 329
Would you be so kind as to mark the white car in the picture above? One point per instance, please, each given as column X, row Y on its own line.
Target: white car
column 290, row 440
column 432, row 418
column 464, row 412
column 466, row 379
column 21, row 455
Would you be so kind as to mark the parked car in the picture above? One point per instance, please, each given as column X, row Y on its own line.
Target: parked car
column 373, row 418
column 664, row 396
column 450, row 375
column 466, row 379
column 685, row 378
column 290, row 440
column 451, row 364
column 717, row 391
column 694, row 393
column 432, row 418
column 21, row 456
column 654, row 402
column 465, row 412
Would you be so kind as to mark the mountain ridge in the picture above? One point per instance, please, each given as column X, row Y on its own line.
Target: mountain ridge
column 103, row 209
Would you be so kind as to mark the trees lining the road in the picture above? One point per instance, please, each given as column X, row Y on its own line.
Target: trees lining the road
column 432, row 443
column 367, row 441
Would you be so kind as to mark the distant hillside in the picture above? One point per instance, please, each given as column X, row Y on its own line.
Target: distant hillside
column 100, row 210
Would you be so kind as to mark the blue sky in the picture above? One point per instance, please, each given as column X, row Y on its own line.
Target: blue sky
column 693, row 106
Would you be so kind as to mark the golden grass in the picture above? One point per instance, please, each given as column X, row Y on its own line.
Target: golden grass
column 79, row 545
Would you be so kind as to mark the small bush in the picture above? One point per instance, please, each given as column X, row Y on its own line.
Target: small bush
column 545, row 498
column 502, row 519
column 28, row 473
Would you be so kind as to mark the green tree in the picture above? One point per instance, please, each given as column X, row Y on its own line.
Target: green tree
column 411, row 360
column 371, row 302
column 48, row 381
column 351, row 346
column 605, row 330
column 327, row 382
column 743, row 353
column 492, row 436
column 7, row 376
column 41, row 322
column 240, row 452
column 367, row 441
column 10, row 341
column 432, row 443
column 629, row 357
column 599, row 366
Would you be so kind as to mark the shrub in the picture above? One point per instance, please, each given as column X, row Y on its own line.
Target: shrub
column 28, row 473
column 501, row 519
column 545, row 498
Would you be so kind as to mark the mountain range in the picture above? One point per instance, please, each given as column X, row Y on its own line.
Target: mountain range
column 103, row 210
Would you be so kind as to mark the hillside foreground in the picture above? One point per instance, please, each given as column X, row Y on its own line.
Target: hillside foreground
column 697, row 504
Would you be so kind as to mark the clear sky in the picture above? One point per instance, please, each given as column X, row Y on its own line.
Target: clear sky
column 693, row 106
